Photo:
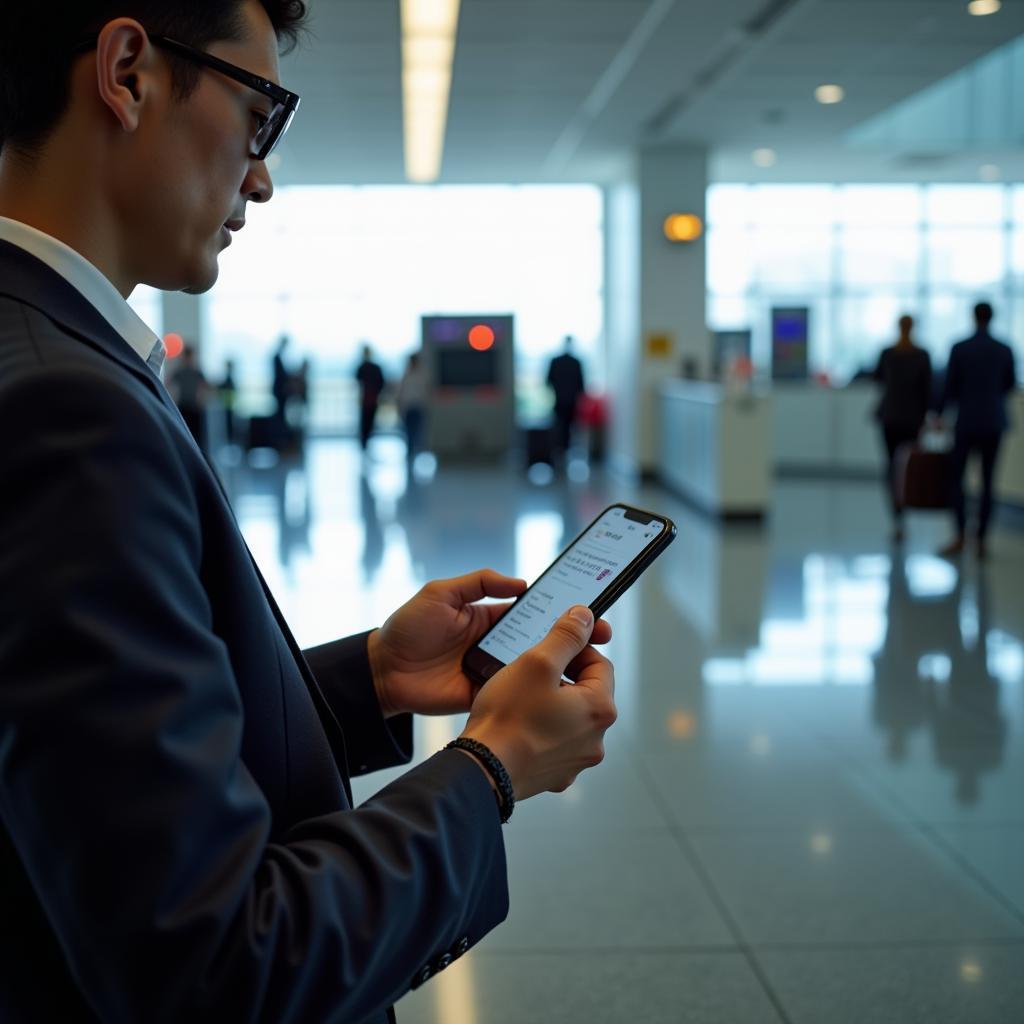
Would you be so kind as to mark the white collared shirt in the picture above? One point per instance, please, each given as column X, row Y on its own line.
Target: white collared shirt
column 93, row 286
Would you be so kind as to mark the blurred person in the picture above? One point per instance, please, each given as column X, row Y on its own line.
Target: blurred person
column 565, row 378
column 178, row 840
column 227, row 390
column 281, row 389
column 412, row 403
column 904, row 372
column 371, row 384
column 190, row 391
column 979, row 376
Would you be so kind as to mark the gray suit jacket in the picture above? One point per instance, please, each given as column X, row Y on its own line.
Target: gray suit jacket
column 178, row 841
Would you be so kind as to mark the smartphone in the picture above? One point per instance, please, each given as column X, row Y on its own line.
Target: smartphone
column 595, row 569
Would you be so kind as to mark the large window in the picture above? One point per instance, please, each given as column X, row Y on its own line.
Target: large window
column 335, row 267
column 861, row 255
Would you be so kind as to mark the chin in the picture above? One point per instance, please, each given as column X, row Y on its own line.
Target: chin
column 202, row 279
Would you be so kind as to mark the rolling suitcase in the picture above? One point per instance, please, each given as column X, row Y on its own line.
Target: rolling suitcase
column 539, row 445
column 923, row 477
column 263, row 432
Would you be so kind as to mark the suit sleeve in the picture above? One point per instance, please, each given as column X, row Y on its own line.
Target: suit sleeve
column 342, row 670
column 145, row 837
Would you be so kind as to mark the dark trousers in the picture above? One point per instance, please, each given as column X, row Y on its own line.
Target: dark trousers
column 413, row 420
column 987, row 446
column 895, row 435
column 564, row 416
column 367, row 416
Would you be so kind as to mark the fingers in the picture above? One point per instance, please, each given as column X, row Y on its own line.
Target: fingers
column 475, row 586
column 567, row 637
column 592, row 670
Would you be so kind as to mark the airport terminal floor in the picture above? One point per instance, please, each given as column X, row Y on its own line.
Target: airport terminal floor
column 811, row 806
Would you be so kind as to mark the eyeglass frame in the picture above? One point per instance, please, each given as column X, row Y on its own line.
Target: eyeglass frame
column 286, row 101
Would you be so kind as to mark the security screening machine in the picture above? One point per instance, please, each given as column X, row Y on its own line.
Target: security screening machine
column 470, row 369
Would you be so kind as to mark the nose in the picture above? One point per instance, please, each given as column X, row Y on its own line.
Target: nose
column 258, row 186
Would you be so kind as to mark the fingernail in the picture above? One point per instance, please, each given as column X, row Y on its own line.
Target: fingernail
column 583, row 615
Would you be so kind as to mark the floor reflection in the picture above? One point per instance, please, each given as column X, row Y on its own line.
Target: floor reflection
column 373, row 532
column 811, row 800
column 933, row 672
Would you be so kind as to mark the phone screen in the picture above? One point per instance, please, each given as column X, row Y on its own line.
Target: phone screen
column 581, row 574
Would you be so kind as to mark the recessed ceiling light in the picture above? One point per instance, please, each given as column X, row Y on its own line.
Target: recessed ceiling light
column 429, row 28
column 764, row 157
column 830, row 94
column 983, row 7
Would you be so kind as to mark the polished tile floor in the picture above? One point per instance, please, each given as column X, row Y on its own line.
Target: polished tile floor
column 812, row 808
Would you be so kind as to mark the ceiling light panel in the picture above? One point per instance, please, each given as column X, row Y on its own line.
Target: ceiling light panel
column 428, row 53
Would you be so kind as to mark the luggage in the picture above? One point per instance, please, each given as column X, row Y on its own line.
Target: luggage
column 539, row 446
column 263, row 432
column 923, row 477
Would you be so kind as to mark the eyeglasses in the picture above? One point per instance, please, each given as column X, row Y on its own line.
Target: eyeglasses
column 280, row 117
column 270, row 132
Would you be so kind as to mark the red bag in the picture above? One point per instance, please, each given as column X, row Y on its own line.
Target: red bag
column 923, row 477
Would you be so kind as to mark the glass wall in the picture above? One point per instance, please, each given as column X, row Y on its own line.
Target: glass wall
column 861, row 255
column 335, row 267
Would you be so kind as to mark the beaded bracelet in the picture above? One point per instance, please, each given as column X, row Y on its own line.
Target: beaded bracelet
column 496, row 770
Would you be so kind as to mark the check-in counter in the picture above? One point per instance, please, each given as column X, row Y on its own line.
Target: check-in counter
column 817, row 430
column 821, row 430
column 715, row 446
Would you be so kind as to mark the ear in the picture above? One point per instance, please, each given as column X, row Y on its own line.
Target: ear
column 125, row 62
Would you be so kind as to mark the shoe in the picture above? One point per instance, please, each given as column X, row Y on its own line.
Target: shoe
column 952, row 549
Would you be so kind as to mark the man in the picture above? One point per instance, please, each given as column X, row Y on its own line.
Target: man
column 281, row 390
column 178, row 841
column 565, row 378
column 371, row 383
column 979, row 377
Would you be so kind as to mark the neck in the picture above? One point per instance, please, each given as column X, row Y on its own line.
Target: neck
column 60, row 193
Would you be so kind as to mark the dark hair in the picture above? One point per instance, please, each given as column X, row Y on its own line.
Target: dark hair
column 983, row 314
column 38, row 42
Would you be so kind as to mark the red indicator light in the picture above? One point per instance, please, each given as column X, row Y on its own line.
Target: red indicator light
column 174, row 345
column 481, row 337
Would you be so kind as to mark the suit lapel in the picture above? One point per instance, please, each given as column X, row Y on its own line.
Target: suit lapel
column 28, row 280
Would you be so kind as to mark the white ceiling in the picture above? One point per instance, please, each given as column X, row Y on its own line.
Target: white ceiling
column 566, row 90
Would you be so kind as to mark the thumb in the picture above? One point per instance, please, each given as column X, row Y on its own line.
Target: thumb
column 568, row 636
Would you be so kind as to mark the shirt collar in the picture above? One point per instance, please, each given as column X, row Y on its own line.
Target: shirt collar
column 87, row 279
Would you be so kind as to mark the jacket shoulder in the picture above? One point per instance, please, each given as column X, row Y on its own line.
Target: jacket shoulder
column 30, row 339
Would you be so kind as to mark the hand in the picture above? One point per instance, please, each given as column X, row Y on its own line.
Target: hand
column 544, row 731
column 416, row 656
